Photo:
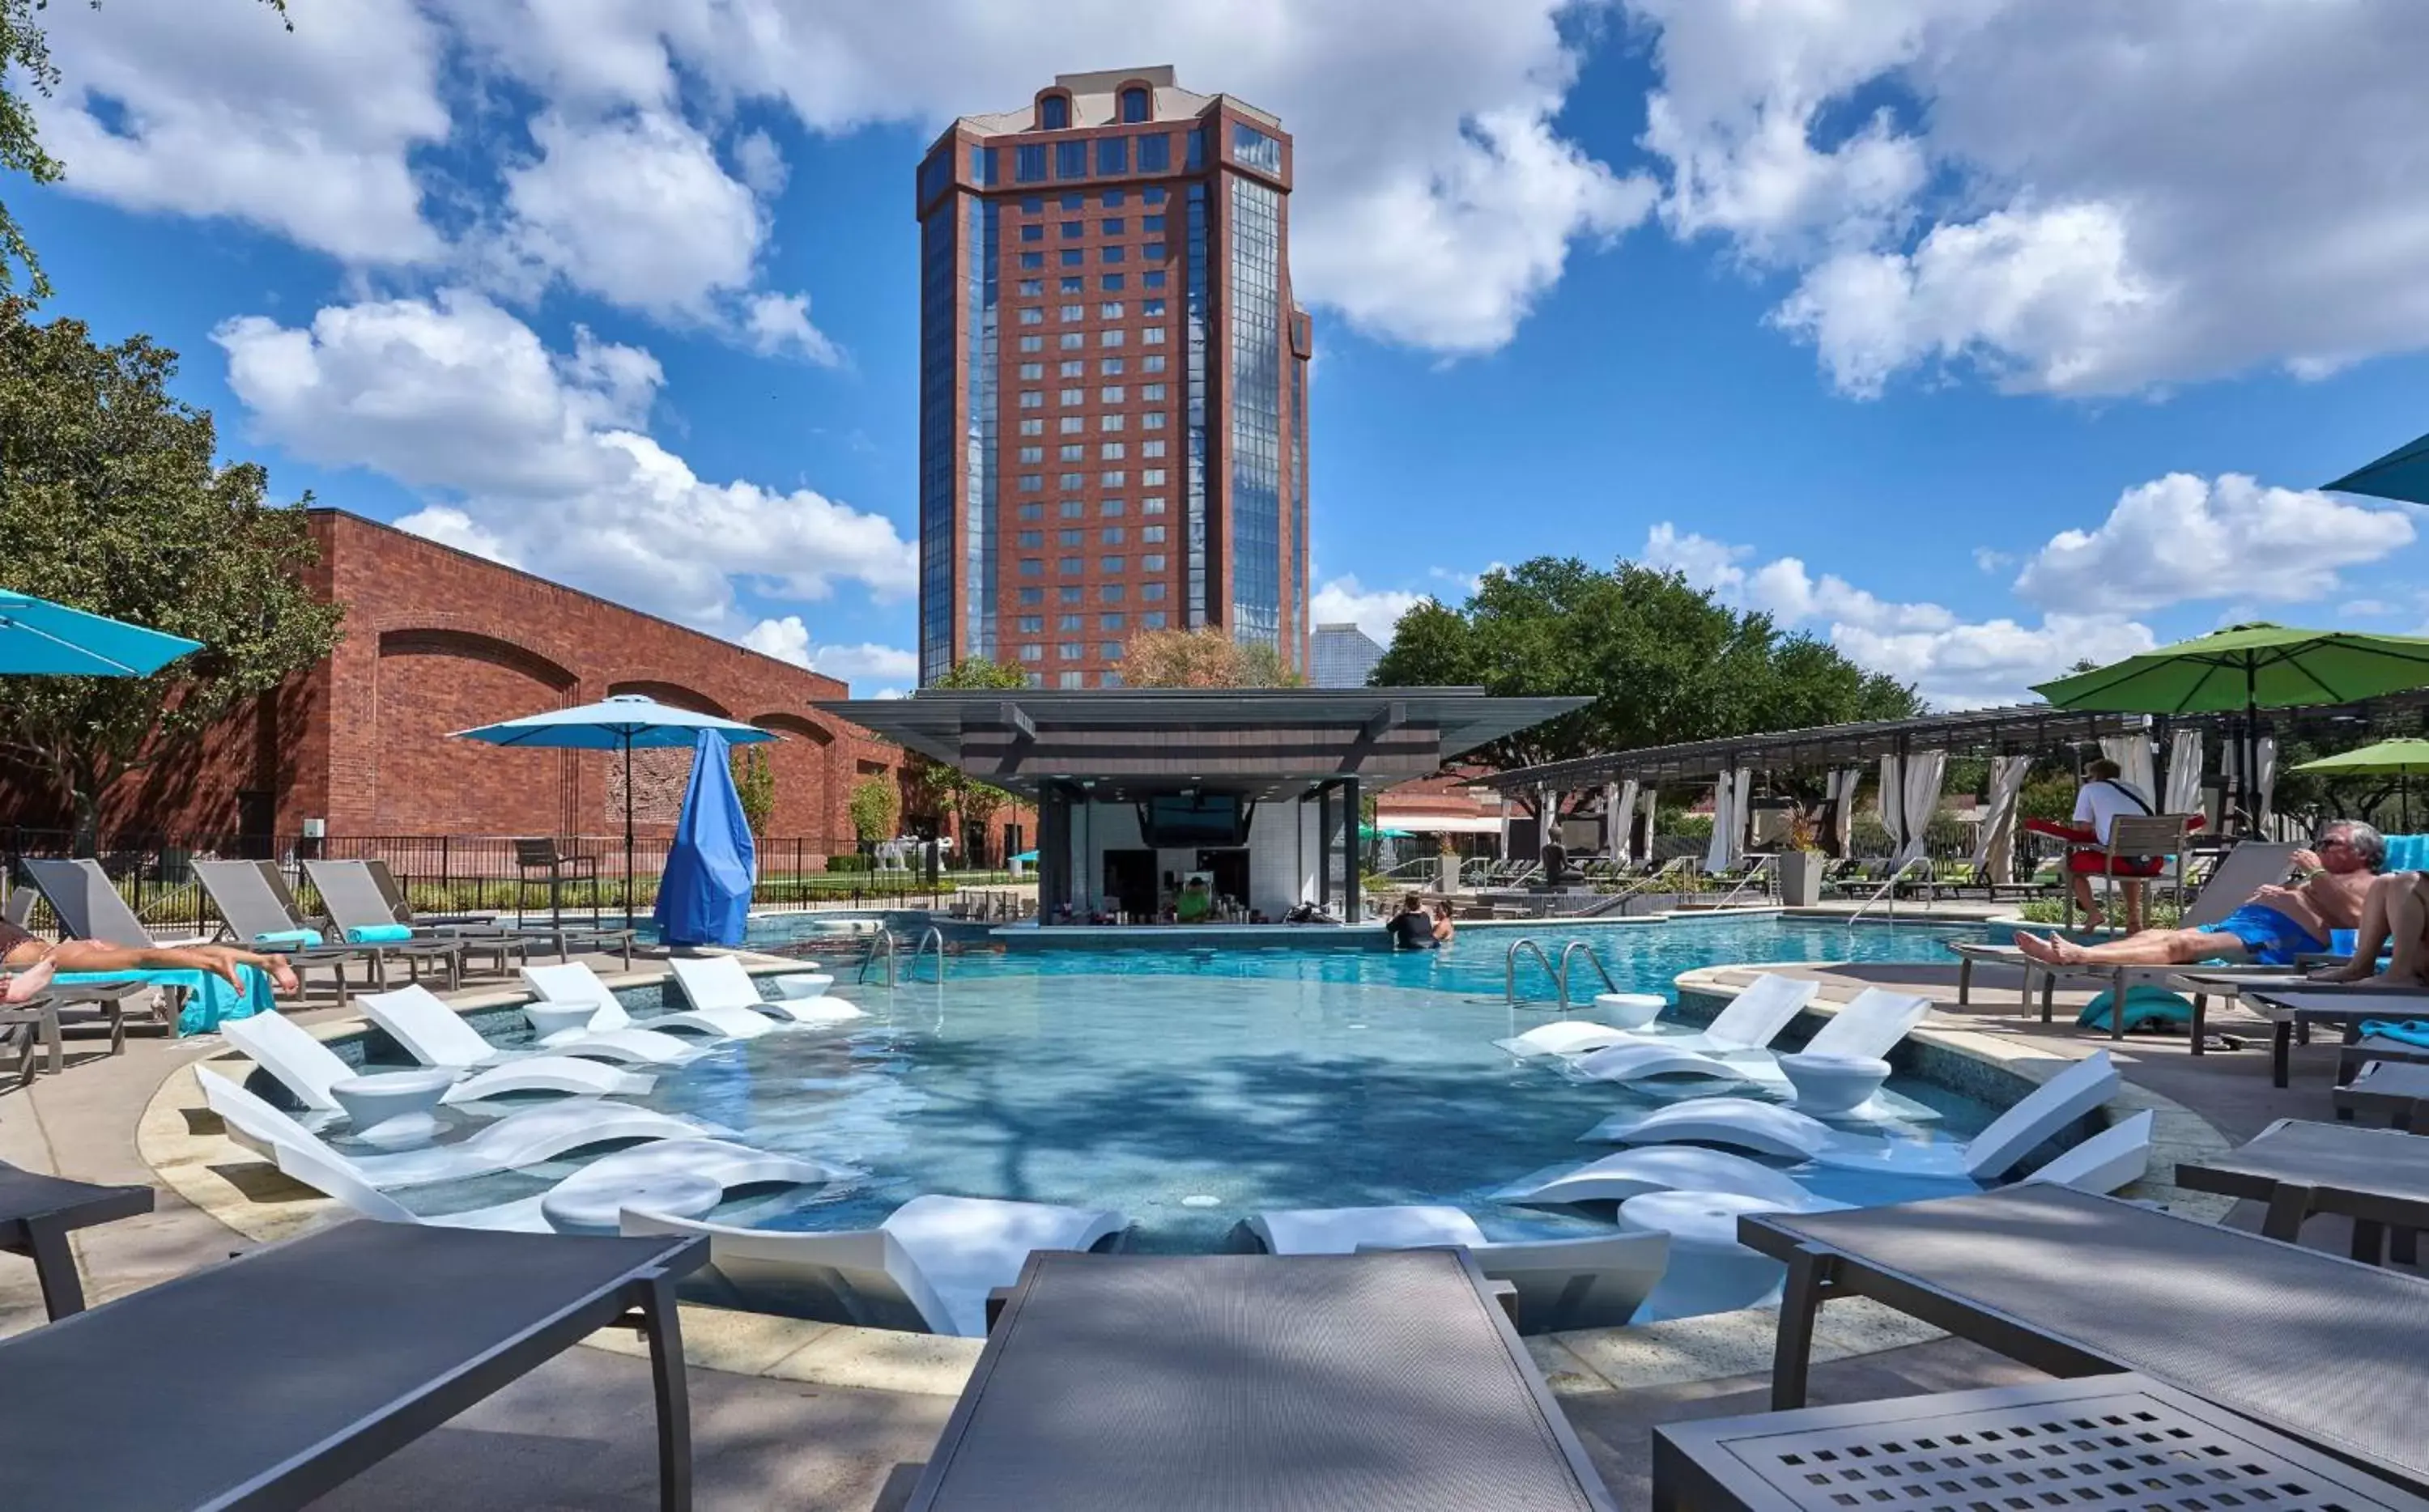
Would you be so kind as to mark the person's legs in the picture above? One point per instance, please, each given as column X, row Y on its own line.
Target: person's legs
column 27, row 983
column 2152, row 947
column 2407, row 918
column 2135, row 918
column 2092, row 917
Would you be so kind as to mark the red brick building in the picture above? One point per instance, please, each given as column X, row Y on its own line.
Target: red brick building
column 437, row 640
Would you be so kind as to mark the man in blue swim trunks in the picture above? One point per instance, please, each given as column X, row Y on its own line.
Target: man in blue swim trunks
column 2279, row 923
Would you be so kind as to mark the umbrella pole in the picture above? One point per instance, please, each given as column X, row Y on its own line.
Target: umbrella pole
column 628, row 831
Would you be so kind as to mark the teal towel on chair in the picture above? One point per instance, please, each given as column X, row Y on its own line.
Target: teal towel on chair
column 2146, row 1007
column 305, row 938
column 209, row 999
column 379, row 934
column 2412, row 1031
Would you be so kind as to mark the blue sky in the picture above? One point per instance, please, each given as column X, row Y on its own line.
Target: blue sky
column 1976, row 336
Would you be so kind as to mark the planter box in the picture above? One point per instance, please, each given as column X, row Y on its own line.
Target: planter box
column 1800, row 879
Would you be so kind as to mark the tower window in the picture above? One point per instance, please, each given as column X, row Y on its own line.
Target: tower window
column 1054, row 113
column 1137, row 105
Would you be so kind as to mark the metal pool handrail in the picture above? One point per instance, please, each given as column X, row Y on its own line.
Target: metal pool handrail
column 1573, row 947
column 921, row 949
column 1509, row 969
column 879, row 943
column 1889, row 889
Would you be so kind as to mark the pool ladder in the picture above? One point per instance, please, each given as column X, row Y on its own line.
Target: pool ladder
column 881, row 945
column 1559, row 973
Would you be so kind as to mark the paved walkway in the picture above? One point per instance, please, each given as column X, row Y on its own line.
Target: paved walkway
column 576, row 1434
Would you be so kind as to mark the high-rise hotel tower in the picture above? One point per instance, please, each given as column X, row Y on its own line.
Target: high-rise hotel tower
column 1113, row 380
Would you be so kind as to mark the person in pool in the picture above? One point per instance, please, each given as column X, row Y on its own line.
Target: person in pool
column 33, row 960
column 1413, row 928
column 1445, row 931
column 2278, row 923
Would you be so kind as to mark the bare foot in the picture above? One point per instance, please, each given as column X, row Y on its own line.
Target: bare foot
column 2094, row 919
column 28, row 982
column 2036, row 946
column 2410, row 982
column 2353, row 970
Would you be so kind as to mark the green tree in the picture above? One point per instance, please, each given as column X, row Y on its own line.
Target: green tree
column 875, row 807
column 24, row 51
column 1207, row 658
column 1662, row 661
column 974, row 803
column 112, row 501
column 754, row 783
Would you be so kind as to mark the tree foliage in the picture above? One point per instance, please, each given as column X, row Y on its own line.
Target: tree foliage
column 1662, row 661
column 24, row 52
column 754, row 785
column 973, row 802
column 875, row 808
column 1207, row 658
column 112, row 501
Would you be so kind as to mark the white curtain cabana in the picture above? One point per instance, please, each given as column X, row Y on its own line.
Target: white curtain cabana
column 2132, row 754
column 1840, row 788
column 1923, row 770
column 1619, row 817
column 1994, row 848
column 1891, row 805
column 1727, row 795
column 2184, row 794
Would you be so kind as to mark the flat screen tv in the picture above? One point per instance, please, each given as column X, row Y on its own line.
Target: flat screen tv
column 1180, row 820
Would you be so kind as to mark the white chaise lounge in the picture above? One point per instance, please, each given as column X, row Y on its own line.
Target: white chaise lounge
column 1866, row 1029
column 1767, row 1128
column 1752, row 1018
column 928, row 1268
column 2116, row 1157
column 1562, row 1284
column 520, row 1139
column 712, row 982
column 575, row 982
column 599, row 1188
column 309, row 1068
column 437, row 1035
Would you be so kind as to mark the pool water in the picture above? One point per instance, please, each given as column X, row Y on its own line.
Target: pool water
column 1191, row 1091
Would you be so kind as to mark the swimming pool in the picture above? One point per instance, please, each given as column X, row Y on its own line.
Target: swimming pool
column 1191, row 1091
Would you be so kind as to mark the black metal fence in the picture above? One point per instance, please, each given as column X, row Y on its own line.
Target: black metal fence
column 482, row 874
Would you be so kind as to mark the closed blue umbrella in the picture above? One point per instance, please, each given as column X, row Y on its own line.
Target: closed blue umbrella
column 42, row 638
column 704, row 898
column 626, row 722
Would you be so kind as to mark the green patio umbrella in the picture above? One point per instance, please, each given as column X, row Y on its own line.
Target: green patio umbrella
column 2246, row 668
column 1368, row 832
column 2400, row 759
column 2402, row 474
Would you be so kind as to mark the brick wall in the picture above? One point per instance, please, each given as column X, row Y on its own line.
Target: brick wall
column 436, row 641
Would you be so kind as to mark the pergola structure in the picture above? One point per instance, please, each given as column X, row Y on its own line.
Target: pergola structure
column 1287, row 764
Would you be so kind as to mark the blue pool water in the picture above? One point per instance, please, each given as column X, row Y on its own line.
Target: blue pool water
column 1189, row 1091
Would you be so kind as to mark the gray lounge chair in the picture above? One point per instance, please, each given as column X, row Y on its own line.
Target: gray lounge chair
column 37, row 1212
column 1184, row 1382
column 34, row 1028
column 88, row 906
column 257, row 908
column 566, row 938
column 2312, row 1345
column 273, row 1377
column 354, row 903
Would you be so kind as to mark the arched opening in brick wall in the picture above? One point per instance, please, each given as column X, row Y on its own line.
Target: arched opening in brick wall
column 659, row 775
column 432, row 682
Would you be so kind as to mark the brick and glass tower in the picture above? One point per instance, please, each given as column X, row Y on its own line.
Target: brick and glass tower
column 1113, row 380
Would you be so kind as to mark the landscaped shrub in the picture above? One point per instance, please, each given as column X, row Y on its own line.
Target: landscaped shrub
column 847, row 864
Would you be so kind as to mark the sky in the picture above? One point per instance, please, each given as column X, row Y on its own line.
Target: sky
column 1975, row 336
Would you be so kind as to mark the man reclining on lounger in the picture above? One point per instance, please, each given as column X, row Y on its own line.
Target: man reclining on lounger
column 34, row 959
column 2276, row 926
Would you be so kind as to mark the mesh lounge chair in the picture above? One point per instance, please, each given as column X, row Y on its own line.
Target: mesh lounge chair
column 437, row 1035
column 360, row 911
column 574, row 981
column 259, row 911
column 89, row 906
column 37, row 1214
column 567, row 938
column 927, row 1268
column 1562, row 1284
column 524, row 1137
column 712, row 982
column 1866, row 1029
column 308, row 1069
column 34, row 1027
column 1767, row 1128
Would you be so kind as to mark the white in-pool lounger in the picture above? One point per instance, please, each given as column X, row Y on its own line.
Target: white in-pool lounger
column 586, row 1202
column 928, row 1268
column 719, row 981
column 437, row 1035
column 2116, row 1157
column 1767, row 1128
column 1753, row 1018
column 1562, row 1284
column 308, row 1069
column 575, row 982
column 520, row 1139
column 1866, row 1029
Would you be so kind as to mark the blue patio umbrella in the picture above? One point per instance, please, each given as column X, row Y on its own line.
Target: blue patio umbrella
column 626, row 722
column 39, row 637
column 704, row 898
column 2402, row 474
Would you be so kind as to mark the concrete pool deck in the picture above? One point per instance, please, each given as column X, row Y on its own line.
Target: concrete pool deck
column 800, row 1415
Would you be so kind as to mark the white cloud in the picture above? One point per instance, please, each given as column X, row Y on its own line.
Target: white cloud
column 2367, row 608
column 453, row 526
column 761, row 163
column 1342, row 600
column 1706, row 563
column 214, row 110
column 787, row 639
column 542, row 457
column 778, row 325
column 2078, row 199
column 1992, row 561
column 2180, row 538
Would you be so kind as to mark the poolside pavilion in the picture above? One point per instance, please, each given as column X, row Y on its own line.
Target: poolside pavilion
column 1139, row 789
